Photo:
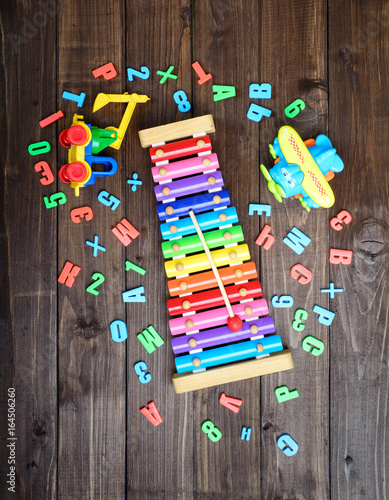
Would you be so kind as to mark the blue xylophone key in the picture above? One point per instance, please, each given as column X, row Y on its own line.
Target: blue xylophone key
column 207, row 221
column 228, row 353
column 198, row 203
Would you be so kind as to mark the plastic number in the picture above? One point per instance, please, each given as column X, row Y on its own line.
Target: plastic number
column 212, row 432
column 118, row 327
column 47, row 175
column 282, row 301
column 140, row 369
column 38, row 148
column 55, row 200
column 108, row 200
column 299, row 316
column 181, row 99
column 99, row 279
column 294, row 109
column 336, row 222
column 83, row 212
column 144, row 73
column 313, row 345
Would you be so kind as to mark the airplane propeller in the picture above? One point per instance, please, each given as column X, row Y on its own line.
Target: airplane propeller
column 272, row 186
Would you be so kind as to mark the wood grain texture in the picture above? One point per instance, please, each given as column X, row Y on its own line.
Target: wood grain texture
column 92, row 368
column 30, row 232
column 359, row 349
column 294, row 48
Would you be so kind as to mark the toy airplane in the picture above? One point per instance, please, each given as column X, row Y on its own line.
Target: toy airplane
column 302, row 169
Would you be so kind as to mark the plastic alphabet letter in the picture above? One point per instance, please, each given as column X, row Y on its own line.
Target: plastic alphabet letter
column 325, row 316
column 134, row 267
column 301, row 274
column 262, row 91
column 265, row 239
column 47, row 175
column 232, row 404
column 245, row 434
column 181, row 99
column 340, row 256
column 287, row 445
column 134, row 295
column 299, row 316
column 118, row 330
column 201, row 73
column 296, row 240
column 68, row 274
column 166, row 74
column 259, row 209
column 336, row 222
column 108, row 200
column 140, row 369
column 55, row 200
column 284, row 394
column 95, row 245
column 144, row 73
column 124, row 231
column 79, row 99
column 92, row 287
column 83, row 212
column 256, row 112
column 38, row 148
column 151, row 413
column 313, row 345
column 51, row 119
column 294, row 108
column 108, row 71
column 283, row 301
column 223, row 92
column 150, row 339
column 212, row 432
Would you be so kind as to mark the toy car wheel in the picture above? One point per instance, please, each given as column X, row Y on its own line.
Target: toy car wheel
column 63, row 140
column 76, row 171
column 77, row 135
column 62, row 174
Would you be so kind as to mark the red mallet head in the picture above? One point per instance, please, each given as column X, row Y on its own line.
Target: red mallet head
column 235, row 324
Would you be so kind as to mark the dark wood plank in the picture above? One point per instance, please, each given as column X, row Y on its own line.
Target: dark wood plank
column 160, row 459
column 92, row 368
column 228, row 48
column 293, row 60
column 29, row 231
column 359, row 347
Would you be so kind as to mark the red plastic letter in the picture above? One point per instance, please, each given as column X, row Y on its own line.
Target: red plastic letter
column 232, row 404
column 152, row 414
column 51, row 119
column 124, row 231
column 68, row 273
column 301, row 274
column 201, row 73
column 77, row 213
column 265, row 239
column 340, row 256
column 336, row 222
column 108, row 71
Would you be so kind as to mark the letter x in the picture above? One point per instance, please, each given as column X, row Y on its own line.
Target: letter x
column 96, row 246
column 166, row 74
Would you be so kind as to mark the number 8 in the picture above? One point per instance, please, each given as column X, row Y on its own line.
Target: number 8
column 181, row 99
column 212, row 432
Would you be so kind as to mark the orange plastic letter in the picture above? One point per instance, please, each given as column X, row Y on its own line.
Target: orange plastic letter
column 68, row 273
column 232, row 404
column 47, row 175
column 340, row 256
column 124, row 231
column 108, row 71
column 152, row 414
column 265, row 239
column 201, row 73
column 301, row 274
column 336, row 222
column 77, row 213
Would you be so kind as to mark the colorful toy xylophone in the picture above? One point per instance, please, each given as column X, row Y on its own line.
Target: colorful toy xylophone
column 209, row 351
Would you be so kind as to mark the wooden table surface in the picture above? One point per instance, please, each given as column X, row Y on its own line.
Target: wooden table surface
column 80, row 434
